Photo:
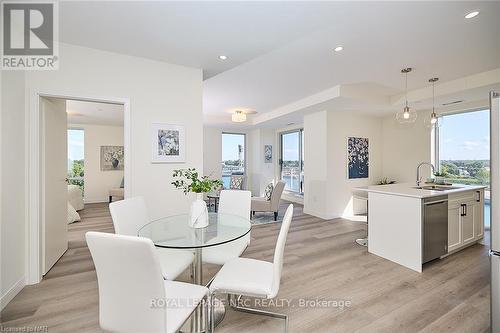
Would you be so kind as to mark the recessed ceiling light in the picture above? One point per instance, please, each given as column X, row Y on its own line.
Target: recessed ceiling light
column 338, row 48
column 472, row 14
column 222, row 57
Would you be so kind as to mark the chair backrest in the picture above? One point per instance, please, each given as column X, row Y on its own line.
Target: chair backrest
column 129, row 215
column 279, row 250
column 276, row 195
column 130, row 281
column 237, row 183
column 235, row 202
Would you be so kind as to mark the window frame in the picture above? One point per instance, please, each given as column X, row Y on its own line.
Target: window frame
column 244, row 149
column 300, row 132
column 435, row 134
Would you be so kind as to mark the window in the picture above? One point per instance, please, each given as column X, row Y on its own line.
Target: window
column 292, row 160
column 463, row 153
column 76, row 165
column 464, row 147
column 233, row 156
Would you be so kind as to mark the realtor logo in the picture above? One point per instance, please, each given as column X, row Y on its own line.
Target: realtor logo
column 30, row 35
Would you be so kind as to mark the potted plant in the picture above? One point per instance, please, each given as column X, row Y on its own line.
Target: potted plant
column 189, row 181
column 439, row 177
column 385, row 181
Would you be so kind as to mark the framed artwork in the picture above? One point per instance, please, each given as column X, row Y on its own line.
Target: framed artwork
column 111, row 158
column 357, row 158
column 168, row 143
column 268, row 154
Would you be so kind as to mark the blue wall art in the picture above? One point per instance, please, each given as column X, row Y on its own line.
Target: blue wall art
column 357, row 158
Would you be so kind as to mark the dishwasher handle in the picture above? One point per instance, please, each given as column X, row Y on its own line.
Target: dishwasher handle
column 438, row 202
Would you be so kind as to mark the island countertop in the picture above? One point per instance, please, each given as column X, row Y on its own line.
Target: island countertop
column 410, row 190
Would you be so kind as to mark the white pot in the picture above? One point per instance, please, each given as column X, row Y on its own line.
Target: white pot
column 198, row 215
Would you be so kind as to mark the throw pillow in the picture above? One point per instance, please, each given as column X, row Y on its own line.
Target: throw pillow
column 73, row 215
column 268, row 191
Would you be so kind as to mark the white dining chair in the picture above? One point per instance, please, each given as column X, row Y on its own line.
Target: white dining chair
column 237, row 203
column 133, row 296
column 255, row 278
column 128, row 216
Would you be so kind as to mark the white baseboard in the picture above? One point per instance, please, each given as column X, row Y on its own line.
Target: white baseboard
column 321, row 216
column 96, row 201
column 12, row 292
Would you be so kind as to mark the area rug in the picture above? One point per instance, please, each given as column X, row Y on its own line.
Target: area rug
column 265, row 218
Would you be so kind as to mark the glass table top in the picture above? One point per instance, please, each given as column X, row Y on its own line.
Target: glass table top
column 175, row 232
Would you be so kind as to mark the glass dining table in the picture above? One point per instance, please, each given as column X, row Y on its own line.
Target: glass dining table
column 174, row 232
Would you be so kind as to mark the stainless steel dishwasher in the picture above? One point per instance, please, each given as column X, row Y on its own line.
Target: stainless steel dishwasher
column 435, row 227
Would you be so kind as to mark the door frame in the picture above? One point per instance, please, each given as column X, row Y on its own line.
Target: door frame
column 34, row 199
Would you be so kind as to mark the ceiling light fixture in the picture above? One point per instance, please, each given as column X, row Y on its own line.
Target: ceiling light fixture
column 472, row 14
column 238, row 116
column 407, row 115
column 338, row 48
column 223, row 57
column 434, row 117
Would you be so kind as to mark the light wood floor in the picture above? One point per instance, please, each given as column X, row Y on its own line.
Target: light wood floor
column 321, row 262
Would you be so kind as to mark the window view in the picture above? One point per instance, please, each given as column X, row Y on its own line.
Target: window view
column 233, row 156
column 292, row 160
column 464, row 150
column 75, row 157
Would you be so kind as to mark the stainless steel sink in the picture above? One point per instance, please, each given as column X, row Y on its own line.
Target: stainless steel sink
column 436, row 187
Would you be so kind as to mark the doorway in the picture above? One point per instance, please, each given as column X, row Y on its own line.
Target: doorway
column 49, row 197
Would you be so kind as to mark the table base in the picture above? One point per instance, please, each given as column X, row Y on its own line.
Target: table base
column 219, row 314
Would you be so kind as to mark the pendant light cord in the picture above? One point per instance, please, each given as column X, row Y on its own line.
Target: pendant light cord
column 406, row 89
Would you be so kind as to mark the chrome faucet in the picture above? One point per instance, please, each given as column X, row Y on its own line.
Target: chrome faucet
column 418, row 171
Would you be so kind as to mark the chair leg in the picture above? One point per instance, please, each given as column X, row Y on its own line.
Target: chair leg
column 208, row 313
column 212, row 313
column 239, row 308
column 276, row 216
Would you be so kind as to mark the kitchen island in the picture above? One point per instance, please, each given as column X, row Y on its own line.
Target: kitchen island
column 411, row 225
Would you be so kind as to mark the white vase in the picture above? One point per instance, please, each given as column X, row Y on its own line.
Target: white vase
column 198, row 215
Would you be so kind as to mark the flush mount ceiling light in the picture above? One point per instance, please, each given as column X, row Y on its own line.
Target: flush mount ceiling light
column 472, row 14
column 240, row 115
column 406, row 115
column 223, row 57
column 338, row 48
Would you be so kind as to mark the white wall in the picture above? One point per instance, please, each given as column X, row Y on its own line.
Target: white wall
column 404, row 147
column 97, row 182
column 328, row 191
column 158, row 92
column 13, row 178
column 316, row 194
column 342, row 125
column 212, row 152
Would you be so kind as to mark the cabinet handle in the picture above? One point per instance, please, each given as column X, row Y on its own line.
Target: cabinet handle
column 478, row 196
column 463, row 210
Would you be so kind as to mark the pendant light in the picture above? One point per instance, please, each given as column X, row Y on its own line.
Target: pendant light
column 434, row 117
column 407, row 115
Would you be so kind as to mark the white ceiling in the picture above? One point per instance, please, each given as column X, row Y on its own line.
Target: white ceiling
column 81, row 112
column 281, row 52
column 189, row 33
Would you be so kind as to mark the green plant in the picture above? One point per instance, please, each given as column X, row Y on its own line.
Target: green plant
column 189, row 181
column 385, row 181
column 439, row 174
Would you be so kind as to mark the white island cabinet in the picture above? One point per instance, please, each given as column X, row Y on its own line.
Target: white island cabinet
column 396, row 220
